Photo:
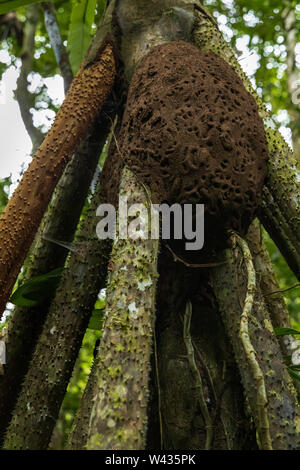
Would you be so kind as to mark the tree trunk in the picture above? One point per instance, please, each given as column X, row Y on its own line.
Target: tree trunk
column 54, row 357
column 119, row 411
column 59, row 223
column 267, row 384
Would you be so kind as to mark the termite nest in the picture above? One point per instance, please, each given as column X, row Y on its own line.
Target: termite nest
column 192, row 134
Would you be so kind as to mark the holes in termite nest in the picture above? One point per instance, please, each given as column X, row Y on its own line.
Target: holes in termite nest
column 186, row 122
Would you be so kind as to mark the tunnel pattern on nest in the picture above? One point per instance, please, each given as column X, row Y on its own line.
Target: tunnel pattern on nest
column 193, row 134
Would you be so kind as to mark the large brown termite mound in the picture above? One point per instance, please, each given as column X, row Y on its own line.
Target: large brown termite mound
column 193, row 134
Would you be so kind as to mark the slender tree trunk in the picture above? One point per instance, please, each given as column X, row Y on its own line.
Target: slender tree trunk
column 293, row 76
column 174, row 431
column 59, row 223
column 54, row 357
column 119, row 411
column 24, row 97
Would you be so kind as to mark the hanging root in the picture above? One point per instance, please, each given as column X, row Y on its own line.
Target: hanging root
column 196, row 375
column 261, row 398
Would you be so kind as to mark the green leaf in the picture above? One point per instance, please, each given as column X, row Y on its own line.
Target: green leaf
column 96, row 320
column 37, row 289
column 80, row 30
column 286, row 331
column 5, row 6
column 293, row 374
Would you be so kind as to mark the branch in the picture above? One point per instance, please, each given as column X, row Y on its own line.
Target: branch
column 79, row 433
column 24, row 97
column 119, row 412
column 57, row 45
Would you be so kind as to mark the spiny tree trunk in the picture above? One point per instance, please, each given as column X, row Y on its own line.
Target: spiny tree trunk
column 119, row 411
column 59, row 223
column 78, row 437
column 22, row 216
column 26, row 324
column 270, row 290
column 61, row 336
column 54, row 357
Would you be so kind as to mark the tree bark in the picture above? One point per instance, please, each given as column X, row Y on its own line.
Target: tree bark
column 119, row 411
column 59, row 223
column 267, row 384
column 54, row 357
column 22, row 216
